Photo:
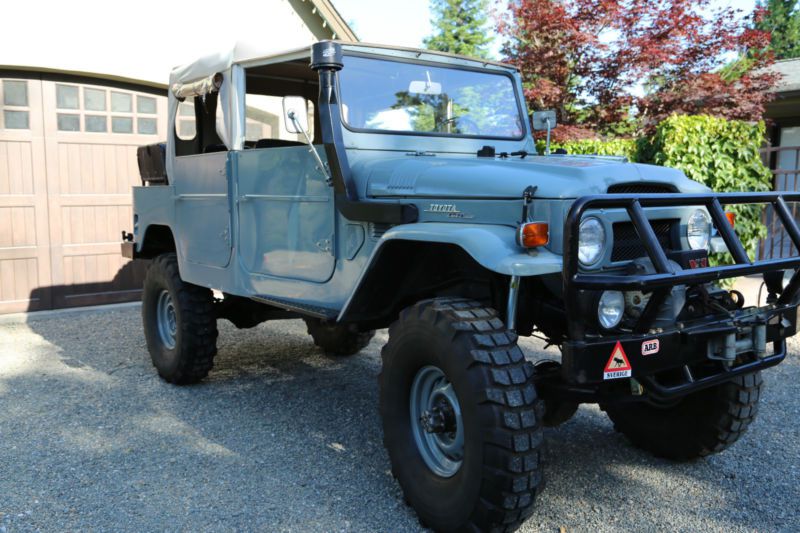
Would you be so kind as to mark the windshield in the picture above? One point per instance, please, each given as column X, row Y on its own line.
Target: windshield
column 409, row 97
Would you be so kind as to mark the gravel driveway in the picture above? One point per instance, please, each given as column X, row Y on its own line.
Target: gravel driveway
column 282, row 438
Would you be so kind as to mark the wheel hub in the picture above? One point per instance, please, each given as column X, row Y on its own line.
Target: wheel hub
column 439, row 419
column 436, row 421
column 167, row 319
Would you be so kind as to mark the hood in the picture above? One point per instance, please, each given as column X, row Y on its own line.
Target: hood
column 554, row 176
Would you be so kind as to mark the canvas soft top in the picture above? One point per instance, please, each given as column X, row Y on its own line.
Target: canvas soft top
column 244, row 52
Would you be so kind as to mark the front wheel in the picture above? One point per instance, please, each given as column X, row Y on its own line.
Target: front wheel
column 460, row 417
column 702, row 423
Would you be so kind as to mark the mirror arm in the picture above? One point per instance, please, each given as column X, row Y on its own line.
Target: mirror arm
column 320, row 165
column 547, row 144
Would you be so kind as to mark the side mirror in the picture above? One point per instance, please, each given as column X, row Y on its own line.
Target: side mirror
column 544, row 120
column 295, row 114
column 295, row 117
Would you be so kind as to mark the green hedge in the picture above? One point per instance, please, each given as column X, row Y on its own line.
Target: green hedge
column 722, row 154
column 622, row 147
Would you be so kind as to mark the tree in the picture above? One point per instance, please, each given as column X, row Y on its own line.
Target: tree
column 600, row 62
column 460, row 27
column 782, row 20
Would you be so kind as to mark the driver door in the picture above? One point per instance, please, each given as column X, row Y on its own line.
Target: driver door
column 286, row 209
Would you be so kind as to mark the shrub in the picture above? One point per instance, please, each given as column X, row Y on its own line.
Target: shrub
column 721, row 154
column 621, row 147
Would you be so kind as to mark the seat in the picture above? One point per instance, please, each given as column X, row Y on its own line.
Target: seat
column 211, row 148
column 152, row 163
column 276, row 143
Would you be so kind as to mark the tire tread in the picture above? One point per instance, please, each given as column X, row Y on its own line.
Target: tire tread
column 198, row 325
column 733, row 408
column 512, row 466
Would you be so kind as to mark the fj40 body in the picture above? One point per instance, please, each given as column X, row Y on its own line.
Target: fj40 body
column 361, row 187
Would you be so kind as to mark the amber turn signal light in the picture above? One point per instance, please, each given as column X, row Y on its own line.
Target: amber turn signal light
column 731, row 218
column 533, row 234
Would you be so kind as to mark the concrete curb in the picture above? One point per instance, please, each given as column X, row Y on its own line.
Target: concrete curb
column 24, row 318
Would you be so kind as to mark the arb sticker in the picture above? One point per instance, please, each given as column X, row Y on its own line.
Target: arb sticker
column 618, row 365
column 650, row 347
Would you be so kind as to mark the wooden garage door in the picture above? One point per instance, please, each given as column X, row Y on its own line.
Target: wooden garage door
column 24, row 241
column 75, row 174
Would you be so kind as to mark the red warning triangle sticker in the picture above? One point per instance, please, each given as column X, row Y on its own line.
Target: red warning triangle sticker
column 618, row 365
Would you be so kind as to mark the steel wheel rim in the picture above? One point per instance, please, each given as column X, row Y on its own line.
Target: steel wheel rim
column 167, row 319
column 432, row 393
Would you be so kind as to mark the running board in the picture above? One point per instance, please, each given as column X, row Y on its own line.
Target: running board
column 304, row 309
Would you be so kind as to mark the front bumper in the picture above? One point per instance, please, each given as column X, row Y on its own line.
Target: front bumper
column 587, row 356
column 685, row 347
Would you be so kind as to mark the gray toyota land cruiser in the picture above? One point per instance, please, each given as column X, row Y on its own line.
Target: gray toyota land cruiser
column 361, row 187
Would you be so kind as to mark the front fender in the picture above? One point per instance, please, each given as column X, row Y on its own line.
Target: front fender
column 493, row 247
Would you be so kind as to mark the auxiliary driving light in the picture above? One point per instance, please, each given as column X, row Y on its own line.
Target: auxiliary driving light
column 610, row 308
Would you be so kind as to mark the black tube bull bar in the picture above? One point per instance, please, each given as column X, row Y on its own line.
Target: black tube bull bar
column 583, row 352
column 665, row 276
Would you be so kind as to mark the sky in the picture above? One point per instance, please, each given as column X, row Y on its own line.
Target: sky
column 407, row 22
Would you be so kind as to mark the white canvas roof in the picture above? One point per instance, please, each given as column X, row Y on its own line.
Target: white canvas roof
column 222, row 61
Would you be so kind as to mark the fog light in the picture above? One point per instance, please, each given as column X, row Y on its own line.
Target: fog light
column 610, row 308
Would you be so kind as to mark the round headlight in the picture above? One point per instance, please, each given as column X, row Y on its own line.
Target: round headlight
column 698, row 230
column 591, row 240
column 610, row 308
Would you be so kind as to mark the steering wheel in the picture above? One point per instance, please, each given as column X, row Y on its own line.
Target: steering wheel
column 463, row 123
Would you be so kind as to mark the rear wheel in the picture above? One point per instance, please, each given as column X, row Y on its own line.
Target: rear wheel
column 338, row 339
column 180, row 324
column 700, row 424
column 461, row 417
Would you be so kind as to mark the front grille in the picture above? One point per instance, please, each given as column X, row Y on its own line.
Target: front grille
column 628, row 245
column 641, row 188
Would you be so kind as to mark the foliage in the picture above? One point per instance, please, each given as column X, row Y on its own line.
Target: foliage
column 591, row 60
column 620, row 147
column 722, row 154
column 460, row 27
column 782, row 21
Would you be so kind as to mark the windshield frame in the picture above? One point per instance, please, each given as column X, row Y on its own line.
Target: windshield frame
column 521, row 111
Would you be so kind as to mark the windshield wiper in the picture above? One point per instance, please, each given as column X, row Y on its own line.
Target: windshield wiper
column 521, row 153
column 488, row 151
